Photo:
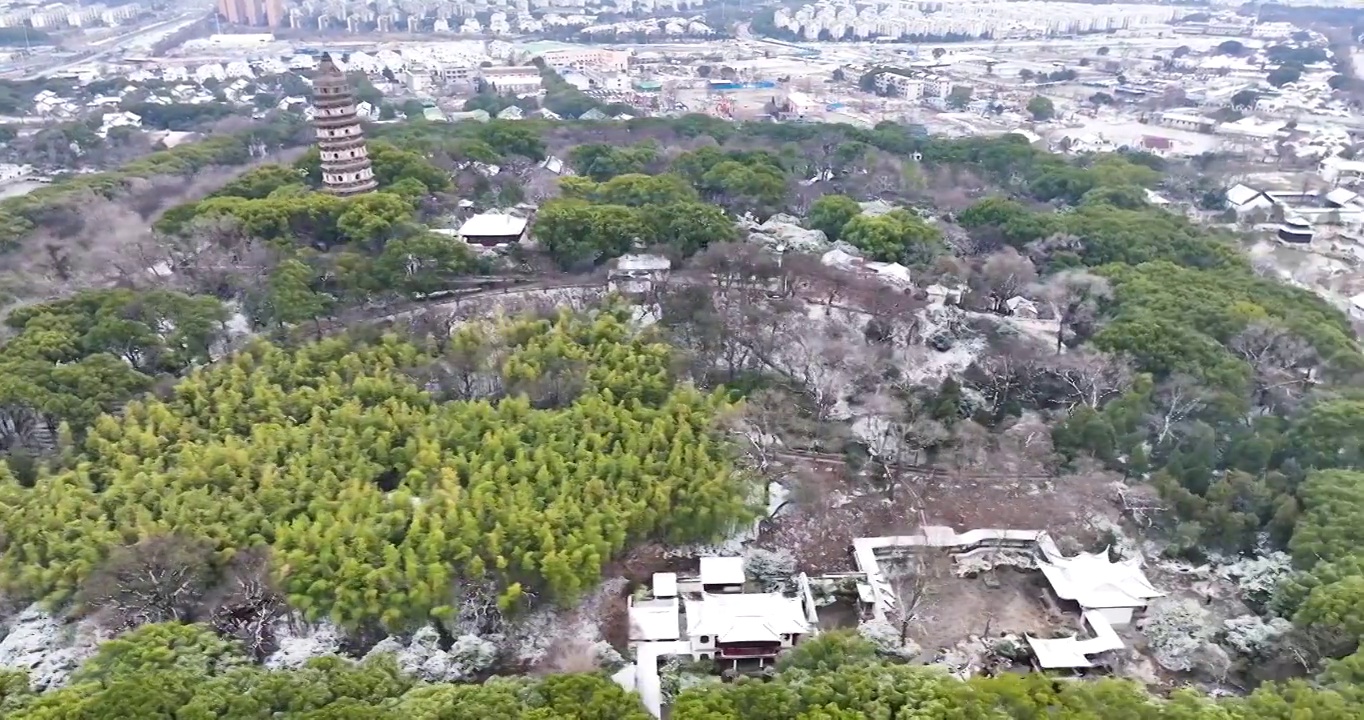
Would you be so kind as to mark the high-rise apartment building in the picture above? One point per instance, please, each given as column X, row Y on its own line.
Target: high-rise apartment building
column 256, row 13
column 346, row 168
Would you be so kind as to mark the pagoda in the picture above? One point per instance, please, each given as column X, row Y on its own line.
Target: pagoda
column 346, row 169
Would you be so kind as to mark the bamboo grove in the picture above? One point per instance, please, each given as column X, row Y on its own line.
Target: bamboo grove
column 378, row 494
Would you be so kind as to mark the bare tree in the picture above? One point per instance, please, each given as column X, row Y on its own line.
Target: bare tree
column 1075, row 296
column 246, row 605
column 971, row 445
column 1007, row 375
column 160, row 579
column 1283, row 363
column 1091, row 376
column 1177, row 399
column 1005, row 274
column 760, row 424
column 916, row 580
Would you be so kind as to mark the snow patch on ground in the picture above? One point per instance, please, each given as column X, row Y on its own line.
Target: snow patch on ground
column 297, row 648
column 535, row 638
column 45, row 647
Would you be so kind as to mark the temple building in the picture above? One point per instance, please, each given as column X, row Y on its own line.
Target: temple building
column 340, row 139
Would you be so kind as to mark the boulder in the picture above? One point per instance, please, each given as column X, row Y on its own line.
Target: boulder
column 785, row 230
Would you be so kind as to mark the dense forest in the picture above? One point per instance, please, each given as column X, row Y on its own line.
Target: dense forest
column 549, row 446
column 385, row 480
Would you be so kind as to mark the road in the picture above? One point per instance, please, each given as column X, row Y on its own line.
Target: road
column 107, row 47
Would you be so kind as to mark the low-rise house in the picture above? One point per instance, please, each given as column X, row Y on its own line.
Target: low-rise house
column 1243, row 198
column 1115, row 590
column 744, row 626
column 493, row 229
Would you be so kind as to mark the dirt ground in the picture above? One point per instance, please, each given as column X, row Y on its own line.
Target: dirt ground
column 1008, row 601
column 828, row 510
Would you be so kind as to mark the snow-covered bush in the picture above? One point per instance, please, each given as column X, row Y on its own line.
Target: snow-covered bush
column 1252, row 637
column 771, row 569
column 1258, row 577
column 886, row 638
column 470, row 655
column 608, row 658
column 296, row 649
column 1176, row 631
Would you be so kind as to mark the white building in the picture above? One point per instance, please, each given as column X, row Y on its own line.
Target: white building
column 744, row 626
column 1243, row 198
column 513, row 80
column 722, row 574
column 1115, row 590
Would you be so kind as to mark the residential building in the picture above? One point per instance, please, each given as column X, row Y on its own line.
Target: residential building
column 1183, row 121
column 513, row 80
column 346, row 168
column 1243, row 199
column 900, row 85
column 256, row 13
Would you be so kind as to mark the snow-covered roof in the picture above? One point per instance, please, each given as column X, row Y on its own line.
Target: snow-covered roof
column 1341, row 196
column 1071, row 652
column 746, row 617
column 658, row 262
column 722, row 571
column 1094, row 581
column 493, row 225
column 654, row 619
column 1240, row 194
column 665, row 585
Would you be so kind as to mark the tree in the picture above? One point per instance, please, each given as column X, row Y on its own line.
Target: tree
column 1075, row 297
column 938, row 53
column 689, row 227
column 959, row 97
column 422, row 264
column 1245, row 99
column 1025, row 74
column 896, row 236
column 1231, row 47
column 1041, row 108
column 374, row 218
column 1103, row 51
column 1006, row 274
column 576, row 232
column 1101, row 98
column 291, row 298
column 831, row 213
column 1180, row 52
column 1284, row 74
